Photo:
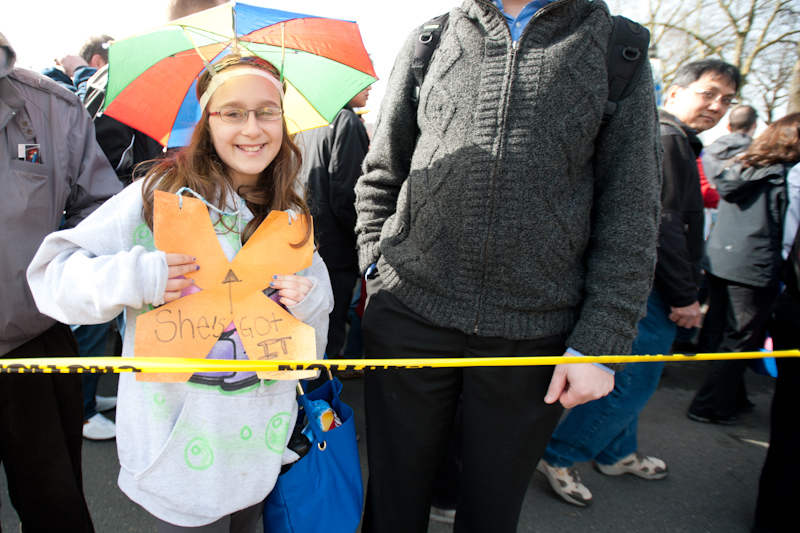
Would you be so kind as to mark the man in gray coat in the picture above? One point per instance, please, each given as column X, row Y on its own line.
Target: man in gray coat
column 50, row 166
column 502, row 221
column 722, row 152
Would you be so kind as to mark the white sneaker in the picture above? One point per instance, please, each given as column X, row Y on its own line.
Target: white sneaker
column 566, row 483
column 105, row 403
column 636, row 464
column 99, row 428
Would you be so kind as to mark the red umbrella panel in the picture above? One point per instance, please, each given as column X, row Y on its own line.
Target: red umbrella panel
column 152, row 76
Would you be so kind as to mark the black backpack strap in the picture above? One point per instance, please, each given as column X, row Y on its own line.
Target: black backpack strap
column 627, row 53
column 426, row 44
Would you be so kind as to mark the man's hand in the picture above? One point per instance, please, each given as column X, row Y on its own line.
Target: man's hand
column 578, row 383
column 687, row 317
column 69, row 64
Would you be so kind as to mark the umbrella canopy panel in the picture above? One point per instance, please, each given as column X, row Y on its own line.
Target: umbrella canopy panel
column 152, row 76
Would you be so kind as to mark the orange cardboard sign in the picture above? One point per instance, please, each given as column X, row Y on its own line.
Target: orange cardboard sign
column 232, row 292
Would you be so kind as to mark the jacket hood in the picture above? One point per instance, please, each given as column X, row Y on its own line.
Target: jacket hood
column 737, row 184
column 729, row 145
column 7, row 57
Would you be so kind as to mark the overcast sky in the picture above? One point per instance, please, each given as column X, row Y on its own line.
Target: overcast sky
column 40, row 30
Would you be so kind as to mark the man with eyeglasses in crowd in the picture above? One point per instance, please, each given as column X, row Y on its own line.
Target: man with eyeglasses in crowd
column 604, row 431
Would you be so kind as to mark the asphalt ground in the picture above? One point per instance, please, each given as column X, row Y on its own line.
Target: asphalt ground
column 712, row 485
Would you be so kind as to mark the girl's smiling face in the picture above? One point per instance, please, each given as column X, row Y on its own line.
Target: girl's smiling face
column 246, row 147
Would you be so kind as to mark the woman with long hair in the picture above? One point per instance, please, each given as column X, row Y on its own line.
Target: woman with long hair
column 778, row 489
column 743, row 265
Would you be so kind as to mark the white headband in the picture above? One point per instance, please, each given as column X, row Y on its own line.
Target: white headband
column 217, row 79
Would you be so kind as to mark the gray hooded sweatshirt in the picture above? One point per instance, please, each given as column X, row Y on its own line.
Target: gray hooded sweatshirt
column 722, row 153
column 190, row 453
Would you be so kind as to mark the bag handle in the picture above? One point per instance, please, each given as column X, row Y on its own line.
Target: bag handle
column 319, row 435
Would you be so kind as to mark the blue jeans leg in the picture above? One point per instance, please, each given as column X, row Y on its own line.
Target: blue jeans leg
column 605, row 429
column 91, row 343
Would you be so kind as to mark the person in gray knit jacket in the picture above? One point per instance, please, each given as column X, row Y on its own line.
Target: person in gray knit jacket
column 502, row 221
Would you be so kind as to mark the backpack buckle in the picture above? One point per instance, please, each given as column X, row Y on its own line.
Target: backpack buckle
column 631, row 53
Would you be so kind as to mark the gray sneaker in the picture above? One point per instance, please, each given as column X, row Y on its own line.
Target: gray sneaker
column 566, row 483
column 638, row 465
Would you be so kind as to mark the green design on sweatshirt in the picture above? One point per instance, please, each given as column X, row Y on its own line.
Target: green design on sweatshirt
column 142, row 236
column 233, row 236
column 277, row 429
column 198, row 454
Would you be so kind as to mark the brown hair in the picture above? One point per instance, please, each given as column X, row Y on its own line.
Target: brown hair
column 183, row 8
column 780, row 143
column 96, row 45
column 198, row 167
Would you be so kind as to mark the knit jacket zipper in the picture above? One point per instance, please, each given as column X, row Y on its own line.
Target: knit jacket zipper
column 506, row 103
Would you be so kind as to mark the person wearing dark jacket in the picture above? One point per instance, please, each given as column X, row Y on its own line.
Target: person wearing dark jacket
column 722, row 152
column 743, row 265
column 332, row 158
column 778, row 489
column 605, row 430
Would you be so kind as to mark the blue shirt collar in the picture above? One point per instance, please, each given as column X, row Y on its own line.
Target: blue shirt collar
column 516, row 25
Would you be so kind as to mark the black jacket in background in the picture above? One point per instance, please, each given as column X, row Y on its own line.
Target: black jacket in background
column 123, row 146
column 332, row 158
column 680, row 234
column 745, row 243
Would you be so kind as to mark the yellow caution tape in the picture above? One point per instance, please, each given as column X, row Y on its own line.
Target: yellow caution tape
column 110, row 365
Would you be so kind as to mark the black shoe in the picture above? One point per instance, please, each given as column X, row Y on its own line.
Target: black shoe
column 723, row 421
column 746, row 406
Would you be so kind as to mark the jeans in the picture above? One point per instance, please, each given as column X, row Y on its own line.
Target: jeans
column 605, row 429
column 91, row 343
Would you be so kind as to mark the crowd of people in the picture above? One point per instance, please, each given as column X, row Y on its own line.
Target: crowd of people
column 504, row 207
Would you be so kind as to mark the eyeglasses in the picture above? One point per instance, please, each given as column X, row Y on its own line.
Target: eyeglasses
column 714, row 96
column 240, row 114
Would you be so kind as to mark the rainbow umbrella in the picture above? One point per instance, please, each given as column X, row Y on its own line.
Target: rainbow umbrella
column 152, row 76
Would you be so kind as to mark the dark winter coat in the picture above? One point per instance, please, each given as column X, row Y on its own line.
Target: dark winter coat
column 332, row 158
column 680, row 235
column 722, row 153
column 745, row 243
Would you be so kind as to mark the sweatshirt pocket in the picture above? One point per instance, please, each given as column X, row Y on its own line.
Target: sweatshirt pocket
column 223, row 454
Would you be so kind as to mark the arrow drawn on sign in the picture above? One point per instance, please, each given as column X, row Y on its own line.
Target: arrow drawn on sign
column 231, row 278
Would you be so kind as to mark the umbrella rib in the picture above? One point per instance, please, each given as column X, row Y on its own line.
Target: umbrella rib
column 202, row 57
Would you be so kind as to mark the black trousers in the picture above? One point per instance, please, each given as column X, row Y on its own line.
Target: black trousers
column 736, row 322
column 343, row 282
column 41, row 422
column 779, row 488
column 410, row 416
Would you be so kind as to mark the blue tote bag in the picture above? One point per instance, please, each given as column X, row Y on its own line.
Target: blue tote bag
column 323, row 491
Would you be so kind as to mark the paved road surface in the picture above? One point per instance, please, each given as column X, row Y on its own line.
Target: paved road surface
column 712, row 485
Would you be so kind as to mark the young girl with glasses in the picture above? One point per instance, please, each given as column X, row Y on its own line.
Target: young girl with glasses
column 201, row 455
